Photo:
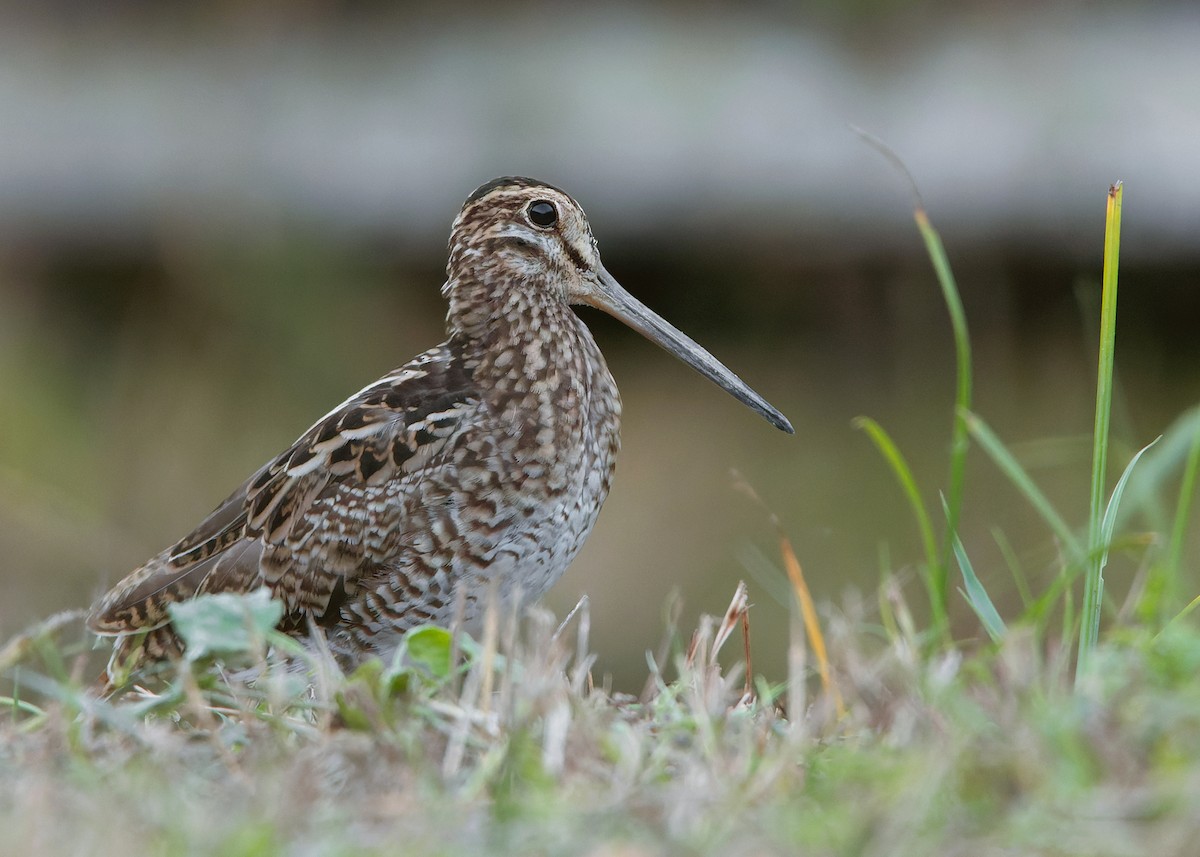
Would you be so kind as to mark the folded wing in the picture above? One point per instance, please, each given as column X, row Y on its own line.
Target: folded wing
column 304, row 524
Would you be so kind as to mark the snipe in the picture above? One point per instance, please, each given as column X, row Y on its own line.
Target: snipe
column 481, row 463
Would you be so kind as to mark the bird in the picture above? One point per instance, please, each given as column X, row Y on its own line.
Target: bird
column 474, row 471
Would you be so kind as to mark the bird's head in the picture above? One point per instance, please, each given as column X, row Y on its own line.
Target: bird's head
column 520, row 243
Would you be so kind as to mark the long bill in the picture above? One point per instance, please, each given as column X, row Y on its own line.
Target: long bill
column 608, row 295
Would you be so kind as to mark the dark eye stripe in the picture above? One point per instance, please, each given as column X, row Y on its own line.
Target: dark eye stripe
column 576, row 259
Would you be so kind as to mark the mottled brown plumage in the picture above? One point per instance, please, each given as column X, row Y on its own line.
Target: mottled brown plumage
column 481, row 464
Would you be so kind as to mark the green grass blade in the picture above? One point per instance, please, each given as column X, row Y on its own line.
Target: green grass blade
column 1099, row 559
column 20, row 705
column 975, row 593
column 1039, row 610
column 935, row 578
column 960, row 439
column 1175, row 460
column 1183, row 507
column 1163, row 587
column 1180, row 616
column 1162, row 467
column 1016, row 474
column 1114, row 502
column 1093, row 586
column 1014, row 566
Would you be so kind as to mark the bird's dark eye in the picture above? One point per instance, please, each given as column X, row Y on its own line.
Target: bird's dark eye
column 543, row 213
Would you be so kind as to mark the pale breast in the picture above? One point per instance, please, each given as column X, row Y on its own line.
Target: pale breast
column 557, row 435
column 511, row 504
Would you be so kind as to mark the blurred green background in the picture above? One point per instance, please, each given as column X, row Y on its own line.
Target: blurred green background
column 216, row 222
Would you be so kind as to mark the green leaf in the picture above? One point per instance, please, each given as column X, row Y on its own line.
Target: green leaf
column 357, row 699
column 225, row 623
column 429, row 647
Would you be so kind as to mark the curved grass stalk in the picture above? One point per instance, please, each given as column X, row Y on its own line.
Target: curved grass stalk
column 959, row 439
column 935, row 576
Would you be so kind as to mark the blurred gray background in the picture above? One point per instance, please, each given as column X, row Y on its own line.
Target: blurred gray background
column 217, row 221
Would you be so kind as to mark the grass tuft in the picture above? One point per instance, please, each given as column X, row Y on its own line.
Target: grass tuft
column 957, row 752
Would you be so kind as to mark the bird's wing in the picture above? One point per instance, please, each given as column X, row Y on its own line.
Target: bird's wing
column 299, row 524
